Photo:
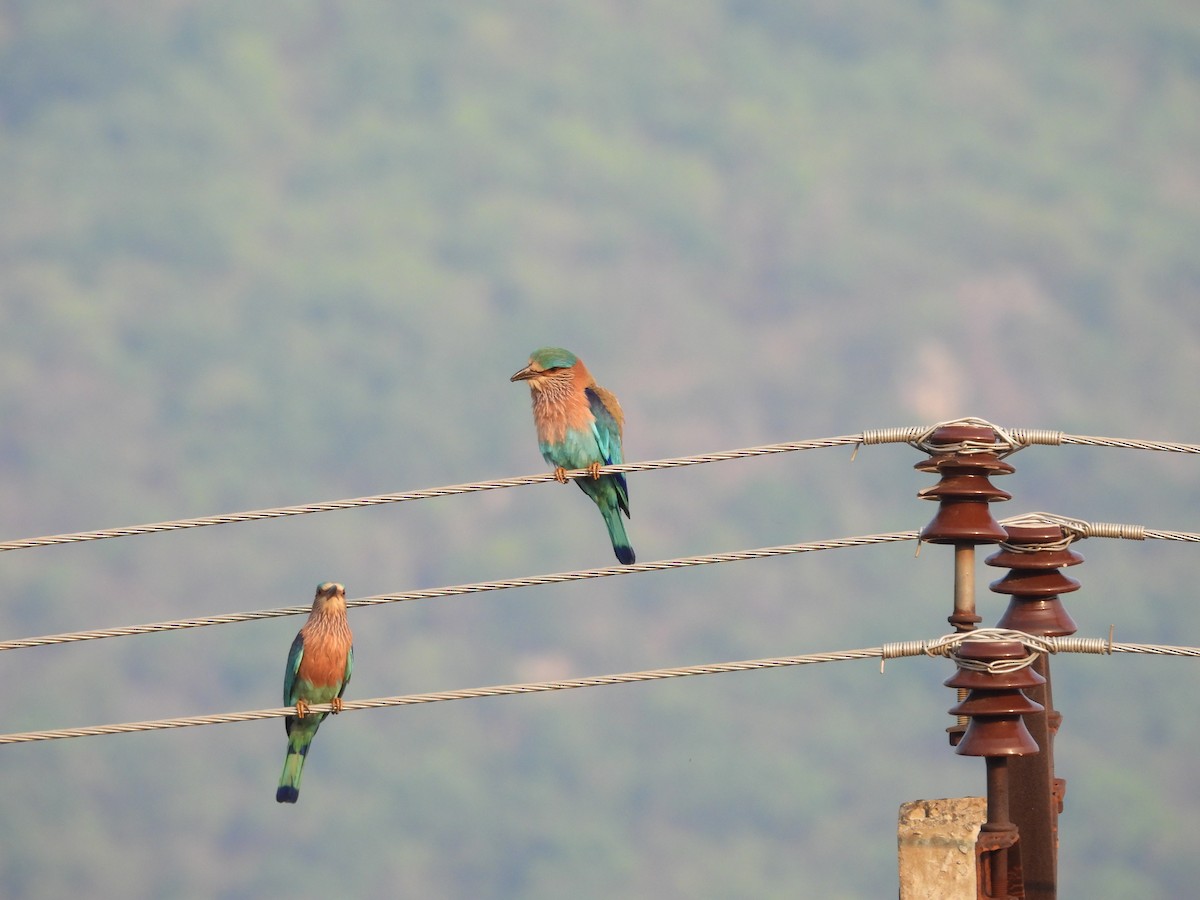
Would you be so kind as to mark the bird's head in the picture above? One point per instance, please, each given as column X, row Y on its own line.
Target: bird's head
column 330, row 596
column 544, row 363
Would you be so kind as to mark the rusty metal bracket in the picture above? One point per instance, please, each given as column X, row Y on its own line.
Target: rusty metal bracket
column 988, row 844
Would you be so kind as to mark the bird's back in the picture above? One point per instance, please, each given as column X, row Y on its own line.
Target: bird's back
column 608, row 400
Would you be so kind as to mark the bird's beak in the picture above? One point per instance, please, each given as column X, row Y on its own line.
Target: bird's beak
column 525, row 374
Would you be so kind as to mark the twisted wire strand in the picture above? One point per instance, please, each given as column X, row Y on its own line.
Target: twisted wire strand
column 440, row 696
column 425, row 494
column 475, row 588
column 936, row 647
column 1074, row 528
column 1084, row 440
column 1153, row 649
column 1008, row 441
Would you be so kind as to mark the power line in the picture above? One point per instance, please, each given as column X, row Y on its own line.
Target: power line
column 426, row 494
column 943, row 646
column 438, row 696
column 1082, row 440
column 1009, row 441
column 476, row 588
column 1076, row 529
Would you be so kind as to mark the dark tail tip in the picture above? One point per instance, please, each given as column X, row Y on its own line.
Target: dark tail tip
column 625, row 555
column 287, row 794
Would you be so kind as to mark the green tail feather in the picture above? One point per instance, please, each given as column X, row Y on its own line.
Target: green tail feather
column 293, row 764
column 616, row 533
column 609, row 494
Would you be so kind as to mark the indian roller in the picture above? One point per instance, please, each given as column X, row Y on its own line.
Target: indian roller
column 579, row 426
column 318, row 670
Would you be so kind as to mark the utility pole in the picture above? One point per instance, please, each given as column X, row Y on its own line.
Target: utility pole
column 1016, row 847
column 996, row 731
column 1034, row 553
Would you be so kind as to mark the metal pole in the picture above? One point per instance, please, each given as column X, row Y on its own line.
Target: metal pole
column 1034, row 553
column 997, row 823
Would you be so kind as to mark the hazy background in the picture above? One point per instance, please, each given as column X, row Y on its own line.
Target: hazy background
column 264, row 254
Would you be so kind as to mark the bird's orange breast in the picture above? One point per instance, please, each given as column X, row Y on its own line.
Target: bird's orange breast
column 324, row 664
column 555, row 419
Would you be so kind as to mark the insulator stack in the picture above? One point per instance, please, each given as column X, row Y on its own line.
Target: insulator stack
column 1035, row 553
column 964, row 492
column 964, row 495
column 995, row 702
column 995, row 705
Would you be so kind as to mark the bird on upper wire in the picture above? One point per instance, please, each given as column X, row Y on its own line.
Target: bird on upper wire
column 318, row 670
column 579, row 426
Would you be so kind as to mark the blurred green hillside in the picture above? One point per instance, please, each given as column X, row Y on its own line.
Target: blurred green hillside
column 264, row 254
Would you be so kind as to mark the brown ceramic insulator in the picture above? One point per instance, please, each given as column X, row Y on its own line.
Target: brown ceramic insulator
column 964, row 491
column 980, row 463
column 990, row 652
column 1033, row 535
column 959, row 521
column 1035, row 581
column 995, row 703
column 997, row 736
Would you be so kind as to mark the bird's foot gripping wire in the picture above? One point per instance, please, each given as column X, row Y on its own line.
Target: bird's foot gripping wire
column 301, row 709
column 560, row 474
column 336, row 703
column 594, row 471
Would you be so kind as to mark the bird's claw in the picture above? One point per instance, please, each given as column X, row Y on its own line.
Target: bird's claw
column 560, row 474
column 301, row 709
column 336, row 703
column 594, row 470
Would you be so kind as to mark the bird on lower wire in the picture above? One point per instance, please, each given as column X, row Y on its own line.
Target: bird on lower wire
column 318, row 670
column 579, row 426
